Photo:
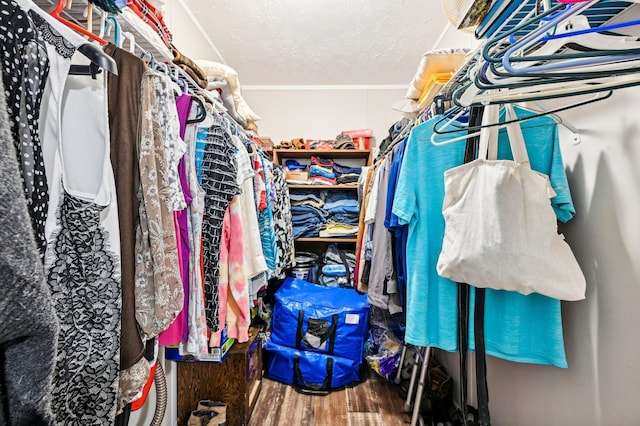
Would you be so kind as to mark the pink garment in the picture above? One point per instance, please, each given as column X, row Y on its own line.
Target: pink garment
column 178, row 330
column 258, row 179
column 173, row 334
column 233, row 310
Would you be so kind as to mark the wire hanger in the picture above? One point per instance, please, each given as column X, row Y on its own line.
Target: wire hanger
column 598, row 96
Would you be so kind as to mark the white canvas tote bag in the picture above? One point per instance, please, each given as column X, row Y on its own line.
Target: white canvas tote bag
column 500, row 229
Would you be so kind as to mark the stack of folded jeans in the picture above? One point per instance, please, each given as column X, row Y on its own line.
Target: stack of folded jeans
column 343, row 214
column 345, row 175
column 338, row 267
column 307, row 220
column 321, row 171
column 306, row 197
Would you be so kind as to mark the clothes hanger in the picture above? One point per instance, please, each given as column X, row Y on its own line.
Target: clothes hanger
column 56, row 14
column 202, row 112
column 553, row 90
column 117, row 32
column 598, row 96
column 492, row 45
column 535, row 36
column 92, row 52
column 132, row 41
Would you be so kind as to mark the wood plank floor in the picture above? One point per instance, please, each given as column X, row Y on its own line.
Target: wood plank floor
column 374, row 402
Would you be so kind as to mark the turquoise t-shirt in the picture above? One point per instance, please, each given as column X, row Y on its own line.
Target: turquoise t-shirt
column 517, row 328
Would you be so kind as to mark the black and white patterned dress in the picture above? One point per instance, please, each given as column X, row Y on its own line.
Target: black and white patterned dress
column 25, row 67
column 219, row 181
column 282, row 223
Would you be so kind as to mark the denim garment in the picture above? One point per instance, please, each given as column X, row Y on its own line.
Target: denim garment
column 305, row 231
column 307, row 218
column 340, row 196
column 350, row 219
column 315, row 196
column 303, row 195
column 344, row 209
column 309, row 209
column 341, row 203
column 312, row 203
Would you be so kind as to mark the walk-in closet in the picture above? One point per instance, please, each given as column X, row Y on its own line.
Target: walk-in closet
column 302, row 213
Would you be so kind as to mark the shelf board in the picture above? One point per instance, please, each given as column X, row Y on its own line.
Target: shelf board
column 330, row 153
column 328, row 239
column 302, row 186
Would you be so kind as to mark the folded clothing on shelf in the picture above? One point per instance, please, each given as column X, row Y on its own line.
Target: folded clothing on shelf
column 324, row 162
column 321, row 180
column 348, row 178
column 346, row 218
column 341, row 198
column 308, row 194
column 339, row 230
column 327, row 172
column 341, row 170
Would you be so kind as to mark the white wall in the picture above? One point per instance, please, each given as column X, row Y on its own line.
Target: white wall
column 602, row 336
column 322, row 112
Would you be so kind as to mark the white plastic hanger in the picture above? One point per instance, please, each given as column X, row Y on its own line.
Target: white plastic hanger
column 132, row 41
column 591, row 41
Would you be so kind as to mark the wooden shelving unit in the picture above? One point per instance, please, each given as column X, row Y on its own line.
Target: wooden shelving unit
column 354, row 158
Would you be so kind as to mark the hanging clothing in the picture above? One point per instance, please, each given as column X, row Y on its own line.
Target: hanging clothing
column 265, row 215
column 28, row 336
column 285, row 257
column 255, row 263
column 124, row 104
column 431, row 299
column 82, row 260
column 197, row 339
column 219, row 181
column 529, row 328
column 159, row 292
column 383, row 285
column 177, row 331
column 25, row 67
column 399, row 232
column 233, row 289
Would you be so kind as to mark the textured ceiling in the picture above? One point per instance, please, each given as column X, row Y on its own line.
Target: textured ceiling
column 321, row 42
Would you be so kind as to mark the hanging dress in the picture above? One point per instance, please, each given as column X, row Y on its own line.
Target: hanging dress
column 159, row 292
column 25, row 66
column 82, row 260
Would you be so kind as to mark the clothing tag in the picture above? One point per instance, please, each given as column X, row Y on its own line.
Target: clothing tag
column 439, row 102
column 352, row 319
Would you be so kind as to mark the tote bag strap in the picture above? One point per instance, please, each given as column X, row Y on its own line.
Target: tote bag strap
column 516, row 139
column 488, row 145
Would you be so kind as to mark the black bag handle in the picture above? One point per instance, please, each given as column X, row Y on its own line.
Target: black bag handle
column 329, row 335
column 346, row 265
column 298, row 380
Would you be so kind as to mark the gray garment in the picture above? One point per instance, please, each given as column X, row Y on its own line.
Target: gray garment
column 383, row 283
column 28, row 324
